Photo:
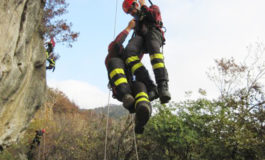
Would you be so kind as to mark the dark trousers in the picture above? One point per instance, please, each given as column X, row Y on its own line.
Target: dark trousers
column 118, row 77
column 122, row 83
column 140, row 94
column 35, row 142
column 151, row 42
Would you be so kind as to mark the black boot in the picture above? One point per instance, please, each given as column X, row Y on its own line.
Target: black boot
column 143, row 113
column 153, row 94
column 128, row 102
column 163, row 92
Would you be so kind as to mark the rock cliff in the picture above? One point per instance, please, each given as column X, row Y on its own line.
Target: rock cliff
column 22, row 66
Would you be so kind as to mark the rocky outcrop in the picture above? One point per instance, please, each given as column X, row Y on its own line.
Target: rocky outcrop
column 22, row 66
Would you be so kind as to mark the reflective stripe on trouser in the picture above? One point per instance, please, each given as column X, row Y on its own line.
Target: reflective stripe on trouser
column 141, row 73
column 118, row 76
column 51, row 62
column 141, row 97
column 134, row 63
column 157, row 61
column 140, row 93
column 118, row 79
column 47, row 55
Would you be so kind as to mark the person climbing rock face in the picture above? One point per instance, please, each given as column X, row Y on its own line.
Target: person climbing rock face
column 50, row 57
column 37, row 138
column 149, row 36
column 50, row 46
column 132, row 93
column 36, row 142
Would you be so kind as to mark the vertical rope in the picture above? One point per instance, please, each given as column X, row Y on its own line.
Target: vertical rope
column 107, row 123
column 43, row 154
column 115, row 19
column 150, row 2
column 107, row 126
column 46, row 119
column 134, row 138
column 39, row 153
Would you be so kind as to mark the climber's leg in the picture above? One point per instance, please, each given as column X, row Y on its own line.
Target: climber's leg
column 153, row 43
column 142, row 106
column 119, row 82
column 132, row 61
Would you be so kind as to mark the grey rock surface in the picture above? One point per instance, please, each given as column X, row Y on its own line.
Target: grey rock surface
column 22, row 66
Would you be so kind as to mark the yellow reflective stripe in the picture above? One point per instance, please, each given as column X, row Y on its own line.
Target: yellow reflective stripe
column 131, row 59
column 141, row 94
column 157, row 56
column 52, row 61
column 116, row 71
column 141, row 100
column 47, row 54
column 120, row 81
column 136, row 66
column 158, row 65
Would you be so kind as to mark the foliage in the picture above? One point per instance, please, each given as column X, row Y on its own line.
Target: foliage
column 231, row 127
column 54, row 26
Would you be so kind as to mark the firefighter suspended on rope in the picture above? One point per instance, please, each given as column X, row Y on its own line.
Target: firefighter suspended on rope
column 149, row 37
column 134, row 95
column 50, row 56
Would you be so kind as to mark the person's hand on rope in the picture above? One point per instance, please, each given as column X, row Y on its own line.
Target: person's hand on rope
column 131, row 25
column 142, row 2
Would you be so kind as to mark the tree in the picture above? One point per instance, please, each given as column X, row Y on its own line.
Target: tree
column 229, row 127
column 246, row 102
column 54, row 26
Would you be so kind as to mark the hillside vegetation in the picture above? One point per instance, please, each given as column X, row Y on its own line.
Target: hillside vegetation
column 230, row 127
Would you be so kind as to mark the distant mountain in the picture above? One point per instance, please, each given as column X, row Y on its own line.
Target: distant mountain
column 115, row 111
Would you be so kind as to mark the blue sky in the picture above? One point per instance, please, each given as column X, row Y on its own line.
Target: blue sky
column 198, row 31
column 85, row 60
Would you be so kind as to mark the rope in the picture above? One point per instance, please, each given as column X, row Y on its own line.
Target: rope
column 39, row 153
column 115, row 19
column 43, row 154
column 135, row 143
column 150, row 2
column 107, row 126
column 107, row 123
column 46, row 117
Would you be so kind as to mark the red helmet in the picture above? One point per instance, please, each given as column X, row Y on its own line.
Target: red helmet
column 43, row 131
column 127, row 5
column 52, row 42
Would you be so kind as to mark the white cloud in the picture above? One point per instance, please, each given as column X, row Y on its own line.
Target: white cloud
column 83, row 94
